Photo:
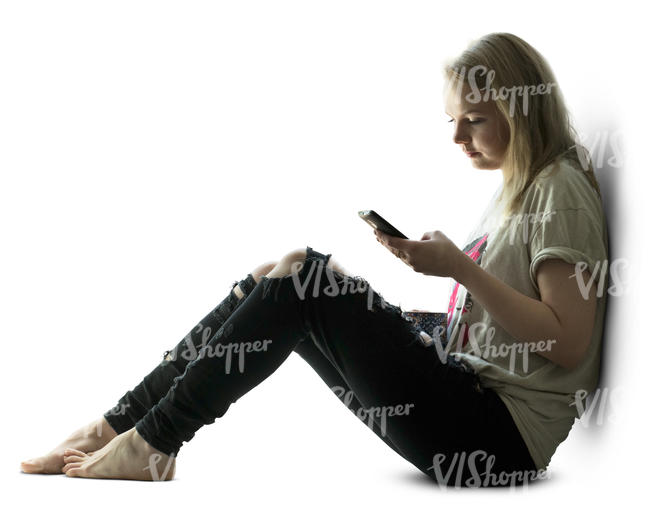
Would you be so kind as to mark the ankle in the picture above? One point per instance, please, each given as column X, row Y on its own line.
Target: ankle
column 104, row 430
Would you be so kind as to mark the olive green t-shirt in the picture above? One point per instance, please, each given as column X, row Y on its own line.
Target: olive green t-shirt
column 561, row 217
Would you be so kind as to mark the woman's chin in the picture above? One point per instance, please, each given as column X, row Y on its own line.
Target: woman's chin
column 481, row 163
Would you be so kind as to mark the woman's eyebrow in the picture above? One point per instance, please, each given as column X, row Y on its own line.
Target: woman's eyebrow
column 473, row 111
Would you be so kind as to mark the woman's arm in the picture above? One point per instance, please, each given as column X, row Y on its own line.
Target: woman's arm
column 562, row 313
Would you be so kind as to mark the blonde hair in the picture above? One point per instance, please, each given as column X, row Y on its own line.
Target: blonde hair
column 541, row 131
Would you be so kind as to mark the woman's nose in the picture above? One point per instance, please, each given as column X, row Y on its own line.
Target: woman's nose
column 460, row 137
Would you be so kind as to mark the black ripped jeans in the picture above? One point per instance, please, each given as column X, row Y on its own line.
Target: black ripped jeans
column 431, row 411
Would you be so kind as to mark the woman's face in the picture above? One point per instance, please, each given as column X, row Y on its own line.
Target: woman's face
column 480, row 130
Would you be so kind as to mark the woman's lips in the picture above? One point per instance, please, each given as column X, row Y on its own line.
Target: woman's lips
column 472, row 154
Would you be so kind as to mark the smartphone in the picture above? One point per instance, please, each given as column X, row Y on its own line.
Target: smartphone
column 380, row 223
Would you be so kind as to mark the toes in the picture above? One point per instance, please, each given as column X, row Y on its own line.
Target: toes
column 73, row 458
column 73, row 472
column 32, row 465
column 47, row 465
column 76, row 471
column 72, row 451
column 69, row 466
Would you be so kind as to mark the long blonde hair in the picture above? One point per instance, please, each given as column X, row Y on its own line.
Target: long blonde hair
column 541, row 132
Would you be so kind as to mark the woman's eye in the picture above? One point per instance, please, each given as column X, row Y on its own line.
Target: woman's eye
column 476, row 121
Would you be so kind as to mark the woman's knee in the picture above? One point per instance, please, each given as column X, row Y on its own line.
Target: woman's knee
column 290, row 263
column 336, row 266
column 293, row 261
column 263, row 270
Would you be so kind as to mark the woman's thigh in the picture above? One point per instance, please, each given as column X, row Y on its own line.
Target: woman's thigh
column 331, row 376
column 429, row 408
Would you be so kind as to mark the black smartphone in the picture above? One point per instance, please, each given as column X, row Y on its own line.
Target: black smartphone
column 380, row 223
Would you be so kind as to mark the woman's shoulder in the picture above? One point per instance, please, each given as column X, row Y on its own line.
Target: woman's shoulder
column 563, row 184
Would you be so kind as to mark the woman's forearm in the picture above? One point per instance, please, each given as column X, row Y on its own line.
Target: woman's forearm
column 524, row 318
column 563, row 320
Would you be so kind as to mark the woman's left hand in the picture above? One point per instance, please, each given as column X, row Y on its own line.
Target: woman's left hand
column 433, row 255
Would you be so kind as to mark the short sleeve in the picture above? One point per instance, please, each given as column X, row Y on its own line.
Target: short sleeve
column 572, row 235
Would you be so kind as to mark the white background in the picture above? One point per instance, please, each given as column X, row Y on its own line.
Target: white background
column 152, row 153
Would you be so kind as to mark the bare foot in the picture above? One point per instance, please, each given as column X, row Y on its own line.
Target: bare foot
column 127, row 456
column 88, row 438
